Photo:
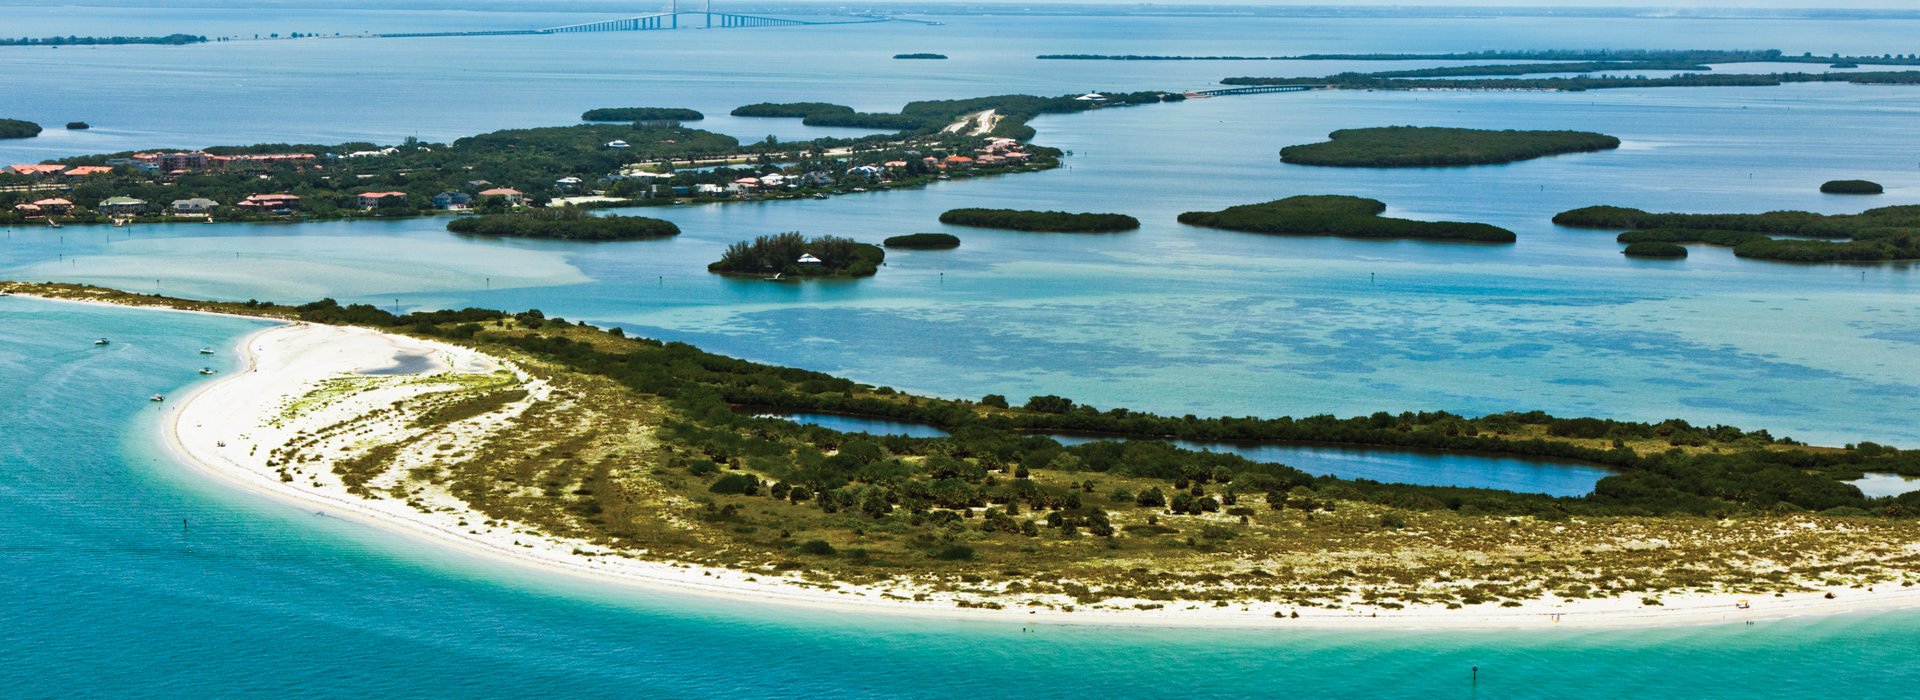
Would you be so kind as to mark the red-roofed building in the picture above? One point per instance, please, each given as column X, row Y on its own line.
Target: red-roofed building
column 33, row 170
column 958, row 162
column 512, row 196
column 87, row 171
column 27, row 210
column 55, row 206
column 376, row 200
column 270, row 202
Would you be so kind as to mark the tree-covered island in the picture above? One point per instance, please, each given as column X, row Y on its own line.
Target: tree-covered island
column 923, row 241
column 1875, row 235
column 1654, row 249
column 563, row 223
column 18, row 129
column 1045, row 221
column 1420, row 147
column 640, row 448
column 920, row 56
column 1339, row 215
column 588, row 165
column 793, row 255
column 1851, row 187
column 641, row 114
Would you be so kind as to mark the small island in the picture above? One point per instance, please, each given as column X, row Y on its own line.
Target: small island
column 78, row 126
column 1851, row 187
column 1875, row 235
column 921, row 56
column 1426, row 147
column 641, row 114
column 1046, row 221
column 18, row 129
column 793, row 255
column 1655, row 250
column 565, row 223
column 923, row 241
column 1339, row 215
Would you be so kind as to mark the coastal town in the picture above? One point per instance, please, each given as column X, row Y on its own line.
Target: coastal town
column 222, row 185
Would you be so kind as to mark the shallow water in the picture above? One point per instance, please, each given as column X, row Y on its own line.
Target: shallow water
column 108, row 595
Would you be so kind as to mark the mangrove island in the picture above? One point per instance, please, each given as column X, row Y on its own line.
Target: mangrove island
column 794, row 255
column 1339, row 215
column 563, row 223
column 1047, row 221
column 923, row 241
column 1883, row 234
column 1851, row 187
column 1419, row 147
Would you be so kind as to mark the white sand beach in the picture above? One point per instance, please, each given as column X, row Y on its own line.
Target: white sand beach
column 229, row 427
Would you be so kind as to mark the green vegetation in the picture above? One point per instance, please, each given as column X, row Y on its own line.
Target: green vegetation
column 782, row 253
column 642, row 114
column 1886, row 233
column 564, row 223
column 647, row 457
column 168, row 40
column 1631, row 56
column 930, row 116
column 920, row 56
column 619, row 164
column 79, row 126
column 1339, row 215
column 1371, row 81
column 17, row 129
column 1049, row 221
column 1418, row 147
column 1655, row 250
column 1851, row 187
column 925, row 241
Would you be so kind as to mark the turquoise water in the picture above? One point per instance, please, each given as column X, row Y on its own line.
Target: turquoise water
column 1552, row 477
column 107, row 596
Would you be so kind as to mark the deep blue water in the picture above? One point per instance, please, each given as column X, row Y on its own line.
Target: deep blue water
column 1548, row 476
column 105, row 595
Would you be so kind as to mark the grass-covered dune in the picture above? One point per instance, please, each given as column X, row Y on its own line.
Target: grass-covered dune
column 1339, row 215
column 566, row 223
column 1851, row 187
column 923, row 241
column 1425, row 146
column 642, row 114
column 17, row 129
column 782, row 253
column 1886, row 233
column 1049, row 221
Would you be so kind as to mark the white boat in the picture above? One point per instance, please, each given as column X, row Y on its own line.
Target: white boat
column 206, row 351
column 156, row 398
column 102, row 341
column 206, row 370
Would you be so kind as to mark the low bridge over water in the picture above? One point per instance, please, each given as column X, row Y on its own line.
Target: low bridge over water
column 671, row 19
column 1254, row 90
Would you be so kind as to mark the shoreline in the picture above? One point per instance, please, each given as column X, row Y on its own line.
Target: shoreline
column 563, row 557
column 274, row 372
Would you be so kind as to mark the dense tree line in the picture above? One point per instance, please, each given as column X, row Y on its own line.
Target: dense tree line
column 928, row 241
column 928, row 116
column 920, row 56
column 1371, row 81
column 1416, row 146
column 168, row 40
column 1654, row 249
column 1851, row 187
column 17, row 129
column 780, row 253
column 1338, row 215
column 1885, row 233
column 1048, row 221
column 642, row 114
column 563, row 223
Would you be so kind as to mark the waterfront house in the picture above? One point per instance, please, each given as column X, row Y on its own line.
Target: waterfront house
column 36, row 170
column 870, row 172
column 27, row 210
column 55, row 206
column 512, row 196
column 1015, row 156
column 134, row 164
column 709, row 190
column 745, row 185
column 617, row 144
column 1092, row 97
column 773, row 180
column 808, row 260
column 452, row 200
column 195, row 206
column 377, row 200
column 895, row 164
column 276, row 203
column 568, row 183
column 122, row 206
column 958, row 162
column 819, row 178
column 86, row 171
